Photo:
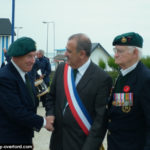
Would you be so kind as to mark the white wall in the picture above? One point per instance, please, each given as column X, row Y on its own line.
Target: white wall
column 99, row 54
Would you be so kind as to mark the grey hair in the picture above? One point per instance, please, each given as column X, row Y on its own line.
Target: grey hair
column 131, row 48
column 41, row 52
column 83, row 42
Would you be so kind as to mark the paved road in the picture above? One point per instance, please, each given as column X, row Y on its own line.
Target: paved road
column 42, row 138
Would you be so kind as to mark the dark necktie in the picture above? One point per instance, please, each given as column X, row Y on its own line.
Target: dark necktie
column 75, row 71
column 29, row 87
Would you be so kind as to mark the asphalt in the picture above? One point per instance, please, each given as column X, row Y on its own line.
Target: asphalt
column 42, row 138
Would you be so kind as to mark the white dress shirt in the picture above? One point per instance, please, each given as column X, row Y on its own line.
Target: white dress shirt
column 81, row 71
column 126, row 71
column 21, row 72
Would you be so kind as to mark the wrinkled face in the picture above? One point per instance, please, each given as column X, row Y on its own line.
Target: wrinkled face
column 73, row 57
column 123, row 57
column 25, row 62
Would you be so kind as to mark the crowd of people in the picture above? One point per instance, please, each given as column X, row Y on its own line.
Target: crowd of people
column 83, row 105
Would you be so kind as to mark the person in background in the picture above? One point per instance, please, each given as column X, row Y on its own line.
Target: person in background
column 78, row 99
column 33, row 73
column 7, row 58
column 45, row 68
column 18, row 103
column 129, row 106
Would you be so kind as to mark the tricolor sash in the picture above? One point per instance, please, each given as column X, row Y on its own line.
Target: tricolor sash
column 76, row 106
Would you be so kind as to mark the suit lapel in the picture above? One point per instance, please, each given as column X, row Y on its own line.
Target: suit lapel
column 86, row 77
column 21, row 82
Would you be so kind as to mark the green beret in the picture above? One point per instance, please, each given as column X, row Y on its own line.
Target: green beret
column 21, row 47
column 129, row 39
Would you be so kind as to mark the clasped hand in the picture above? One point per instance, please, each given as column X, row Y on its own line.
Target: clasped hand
column 49, row 123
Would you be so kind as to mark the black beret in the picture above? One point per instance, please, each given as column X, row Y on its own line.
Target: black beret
column 129, row 39
column 21, row 47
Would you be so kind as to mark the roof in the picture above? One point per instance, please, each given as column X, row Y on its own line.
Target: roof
column 96, row 45
column 5, row 26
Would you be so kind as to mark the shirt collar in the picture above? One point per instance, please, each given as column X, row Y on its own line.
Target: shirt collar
column 84, row 67
column 21, row 72
column 126, row 71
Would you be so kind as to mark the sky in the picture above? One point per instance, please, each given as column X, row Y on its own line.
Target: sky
column 100, row 20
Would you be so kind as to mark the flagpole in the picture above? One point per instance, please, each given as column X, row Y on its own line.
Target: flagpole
column 13, row 20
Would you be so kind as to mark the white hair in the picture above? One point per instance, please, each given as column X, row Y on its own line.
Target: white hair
column 132, row 48
column 41, row 52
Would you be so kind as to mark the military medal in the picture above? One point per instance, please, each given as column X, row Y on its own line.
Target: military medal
column 126, row 109
column 128, row 101
column 114, row 103
column 123, row 100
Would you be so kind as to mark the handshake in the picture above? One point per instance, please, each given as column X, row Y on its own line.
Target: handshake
column 49, row 123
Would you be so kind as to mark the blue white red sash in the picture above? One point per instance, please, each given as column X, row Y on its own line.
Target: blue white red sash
column 77, row 108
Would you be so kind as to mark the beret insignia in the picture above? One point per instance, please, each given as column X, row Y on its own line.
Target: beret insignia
column 123, row 40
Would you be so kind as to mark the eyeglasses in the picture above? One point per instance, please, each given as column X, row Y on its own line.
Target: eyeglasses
column 118, row 51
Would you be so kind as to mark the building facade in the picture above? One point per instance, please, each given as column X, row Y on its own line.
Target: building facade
column 5, row 35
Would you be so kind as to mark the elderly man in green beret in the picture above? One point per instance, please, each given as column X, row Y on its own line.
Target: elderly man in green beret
column 129, row 106
column 18, row 101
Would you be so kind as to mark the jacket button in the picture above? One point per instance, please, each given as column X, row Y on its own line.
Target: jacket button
column 109, row 133
column 106, row 106
column 109, row 120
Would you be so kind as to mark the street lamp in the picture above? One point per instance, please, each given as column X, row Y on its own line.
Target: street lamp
column 47, row 23
column 18, row 28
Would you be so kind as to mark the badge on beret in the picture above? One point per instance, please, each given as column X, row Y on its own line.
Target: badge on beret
column 129, row 38
column 123, row 40
column 126, row 88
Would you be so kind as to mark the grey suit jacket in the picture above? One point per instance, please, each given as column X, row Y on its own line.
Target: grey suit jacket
column 93, row 90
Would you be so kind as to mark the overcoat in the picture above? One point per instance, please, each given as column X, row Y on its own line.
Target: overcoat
column 129, row 123
column 18, row 117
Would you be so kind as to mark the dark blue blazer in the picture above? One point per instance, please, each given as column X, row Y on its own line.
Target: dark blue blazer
column 18, row 117
column 131, row 130
column 45, row 67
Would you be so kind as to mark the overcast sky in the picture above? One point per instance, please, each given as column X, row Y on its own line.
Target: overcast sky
column 101, row 20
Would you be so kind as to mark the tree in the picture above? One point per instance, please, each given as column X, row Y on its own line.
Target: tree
column 111, row 63
column 102, row 64
column 146, row 61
